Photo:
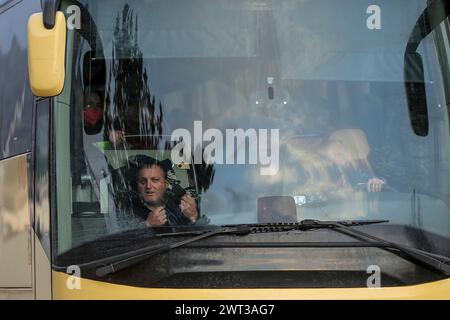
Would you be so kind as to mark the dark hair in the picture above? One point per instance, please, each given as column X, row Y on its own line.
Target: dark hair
column 90, row 92
column 141, row 161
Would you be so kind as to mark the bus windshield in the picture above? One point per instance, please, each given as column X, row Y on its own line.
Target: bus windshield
column 206, row 113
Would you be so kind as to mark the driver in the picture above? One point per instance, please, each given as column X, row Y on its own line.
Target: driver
column 347, row 168
column 153, row 205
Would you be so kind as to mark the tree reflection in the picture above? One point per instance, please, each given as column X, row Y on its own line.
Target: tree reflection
column 133, row 111
column 131, row 108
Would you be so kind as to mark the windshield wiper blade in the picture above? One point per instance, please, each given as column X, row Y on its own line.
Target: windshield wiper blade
column 132, row 258
column 129, row 259
column 282, row 226
column 431, row 260
column 123, row 261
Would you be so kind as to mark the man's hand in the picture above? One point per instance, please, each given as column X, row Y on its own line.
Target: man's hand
column 157, row 218
column 375, row 185
column 188, row 207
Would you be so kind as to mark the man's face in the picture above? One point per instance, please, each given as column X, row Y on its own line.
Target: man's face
column 152, row 185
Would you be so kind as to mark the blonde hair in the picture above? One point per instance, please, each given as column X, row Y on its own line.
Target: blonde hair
column 355, row 143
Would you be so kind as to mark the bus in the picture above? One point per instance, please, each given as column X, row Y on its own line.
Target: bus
column 228, row 149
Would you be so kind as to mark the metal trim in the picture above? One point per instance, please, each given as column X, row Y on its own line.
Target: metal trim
column 8, row 4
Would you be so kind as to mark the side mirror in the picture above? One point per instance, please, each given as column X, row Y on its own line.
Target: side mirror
column 416, row 93
column 46, row 55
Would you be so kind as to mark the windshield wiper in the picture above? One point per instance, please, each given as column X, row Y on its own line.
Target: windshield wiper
column 436, row 262
column 129, row 259
column 123, row 261
column 132, row 258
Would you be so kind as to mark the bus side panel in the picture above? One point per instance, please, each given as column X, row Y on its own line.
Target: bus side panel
column 16, row 110
column 15, row 231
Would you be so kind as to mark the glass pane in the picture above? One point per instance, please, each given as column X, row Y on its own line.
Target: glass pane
column 16, row 100
column 283, row 111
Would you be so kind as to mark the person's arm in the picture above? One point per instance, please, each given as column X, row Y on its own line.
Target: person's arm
column 370, row 181
column 375, row 184
column 114, row 131
column 188, row 207
column 157, row 218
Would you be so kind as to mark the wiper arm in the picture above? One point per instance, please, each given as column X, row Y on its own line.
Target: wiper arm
column 134, row 257
column 129, row 259
column 123, row 261
column 434, row 261
column 303, row 225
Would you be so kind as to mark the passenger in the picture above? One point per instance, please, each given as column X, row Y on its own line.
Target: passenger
column 93, row 113
column 347, row 152
column 153, row 205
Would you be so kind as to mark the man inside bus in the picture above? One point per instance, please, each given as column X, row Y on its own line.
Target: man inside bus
column 153, row 205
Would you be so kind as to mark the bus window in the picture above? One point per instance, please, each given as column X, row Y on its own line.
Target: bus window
column 16, row 99
column 241, row 107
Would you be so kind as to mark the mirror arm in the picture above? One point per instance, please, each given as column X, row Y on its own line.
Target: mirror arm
column 431, row 17
column 435, row 12
column 49, row 9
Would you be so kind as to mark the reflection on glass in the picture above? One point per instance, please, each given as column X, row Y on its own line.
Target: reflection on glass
column 336, row 95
